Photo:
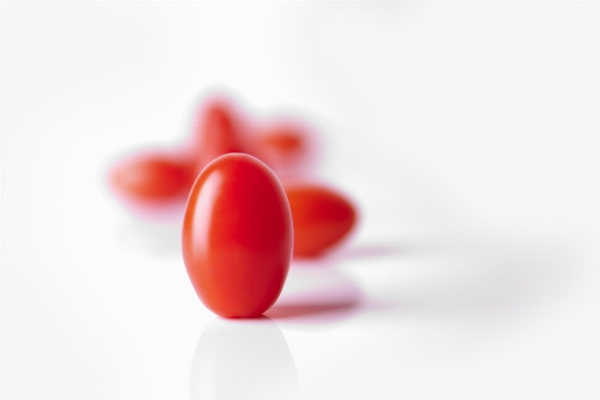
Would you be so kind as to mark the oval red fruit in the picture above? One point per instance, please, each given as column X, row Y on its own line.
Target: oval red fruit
column 281, row 145
column 152, row 177
column 321, row 217
column 237, row 236
column 218, row 131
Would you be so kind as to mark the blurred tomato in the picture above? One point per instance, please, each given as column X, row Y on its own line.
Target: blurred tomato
column 218, row 131
column 321, row 217
column 152, row 177
column 281, row 144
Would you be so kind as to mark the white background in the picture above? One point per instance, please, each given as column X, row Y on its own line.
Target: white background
column 467, row 133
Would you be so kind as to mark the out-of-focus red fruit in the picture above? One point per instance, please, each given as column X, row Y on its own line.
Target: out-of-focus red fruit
column 287, row 146
column 322, row 218
column 281, row 145
column 284, row 140
column 152, row 178
column 218, row 131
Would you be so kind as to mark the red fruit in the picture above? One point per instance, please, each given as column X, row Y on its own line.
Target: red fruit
column 281, row 145
column 322, row 218
column 218, row 132
column 237, row 236
column 285, row 140
column 152, row 178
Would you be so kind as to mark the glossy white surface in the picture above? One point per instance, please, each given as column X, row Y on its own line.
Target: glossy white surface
column 468, row 134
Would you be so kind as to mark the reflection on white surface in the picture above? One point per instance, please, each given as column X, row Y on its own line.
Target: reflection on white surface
column 243, row 359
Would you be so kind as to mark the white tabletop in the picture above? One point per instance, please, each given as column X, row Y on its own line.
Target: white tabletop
column 467, row 133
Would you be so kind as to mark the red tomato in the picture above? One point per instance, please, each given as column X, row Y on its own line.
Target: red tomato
column 152, row 177
column 218, row 131
column 321, row 217
column 281, row 145
column 285, row 140
column 237, row 236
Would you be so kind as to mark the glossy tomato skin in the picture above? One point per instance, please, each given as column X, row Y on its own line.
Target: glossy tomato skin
column 237, row 236
column 152, row 178
column 322, row 218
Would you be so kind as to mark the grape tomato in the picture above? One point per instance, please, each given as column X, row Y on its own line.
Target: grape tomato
column 218, row 131
column 322, row 218
column 152, row 177
column 237, row 236
column 281, row 146
column 285, row 139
